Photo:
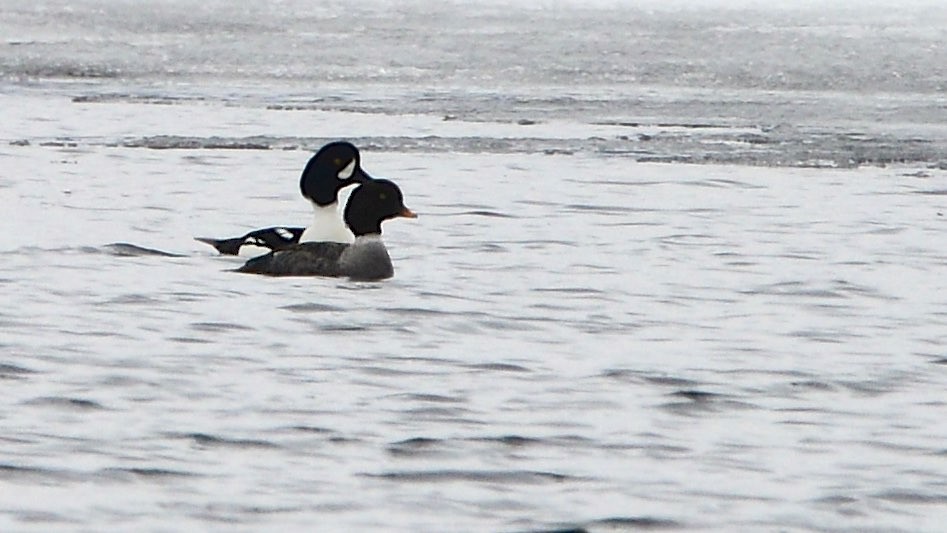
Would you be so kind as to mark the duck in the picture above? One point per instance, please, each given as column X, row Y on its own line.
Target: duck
column 334, row 167
column 364, row 259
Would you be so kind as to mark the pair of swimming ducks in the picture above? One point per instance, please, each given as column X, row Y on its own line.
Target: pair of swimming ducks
column 347, row 246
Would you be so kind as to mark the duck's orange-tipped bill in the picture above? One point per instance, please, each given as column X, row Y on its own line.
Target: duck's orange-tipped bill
column 407, row 213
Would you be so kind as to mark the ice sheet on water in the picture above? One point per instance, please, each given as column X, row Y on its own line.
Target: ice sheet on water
column 835, row 85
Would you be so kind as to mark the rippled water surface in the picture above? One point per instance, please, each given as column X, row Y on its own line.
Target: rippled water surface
column 586, row 331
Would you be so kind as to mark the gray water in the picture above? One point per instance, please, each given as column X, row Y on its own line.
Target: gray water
column 586, row 330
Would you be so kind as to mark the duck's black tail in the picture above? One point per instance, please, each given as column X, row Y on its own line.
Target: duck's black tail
column 224, row 246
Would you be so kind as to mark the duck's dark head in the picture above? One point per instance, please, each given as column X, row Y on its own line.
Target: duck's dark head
column 334, row 167
column 372, row 203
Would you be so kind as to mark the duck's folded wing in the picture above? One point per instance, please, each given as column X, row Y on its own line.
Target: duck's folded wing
column 274, row 238
column 305, row 259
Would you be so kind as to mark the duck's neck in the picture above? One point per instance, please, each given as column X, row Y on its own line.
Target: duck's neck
column 368, row 237
column 327, row 226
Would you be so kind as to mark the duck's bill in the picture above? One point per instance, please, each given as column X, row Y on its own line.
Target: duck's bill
column 407, row 213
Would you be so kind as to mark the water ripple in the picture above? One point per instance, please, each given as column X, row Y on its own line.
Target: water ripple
column 211, row 441
column 77, row 404
column 142, row 473
column 15, row 472
column 505, row 477
column 11, row 371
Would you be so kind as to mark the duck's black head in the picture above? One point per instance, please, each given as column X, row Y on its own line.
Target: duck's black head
column 334, row 167
column 372, row 203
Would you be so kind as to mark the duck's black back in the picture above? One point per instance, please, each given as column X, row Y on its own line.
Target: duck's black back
column 303, row 259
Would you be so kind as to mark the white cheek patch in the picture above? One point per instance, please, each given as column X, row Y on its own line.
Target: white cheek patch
column 347, row 172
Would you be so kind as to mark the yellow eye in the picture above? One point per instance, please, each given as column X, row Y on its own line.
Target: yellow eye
column 338, row 161
column 382, row 195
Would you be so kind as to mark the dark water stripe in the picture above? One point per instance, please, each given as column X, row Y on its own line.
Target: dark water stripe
column 68, row 69
column 441, row 413
column 697, row 395
column 204, row 439
column 625, row 374
column 12, row 471
column 637, row 522
column 417, row 446
column 623, row 523
column 9, row 370
column 32, row 516
column 144, row 473
column 311, row 429
column 911, row 496
column 569, row 290
column 131, row 299
column 190, row 340
column 482, row 213
column 219, row 326
column 311, row 307
column 418, row 311
column 124, row 249
column 68, row 403
column 498, row 367
column 482, row 476
column 700, row 402
column 343, row 328
column 426, row 397
column 512, row 440
column 812, row 385
column 417, row 442
column 565, row 529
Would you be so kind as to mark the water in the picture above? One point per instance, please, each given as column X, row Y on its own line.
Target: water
column 586, row 329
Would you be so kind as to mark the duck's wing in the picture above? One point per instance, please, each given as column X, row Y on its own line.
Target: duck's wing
column 304, row 259
column 274, row 238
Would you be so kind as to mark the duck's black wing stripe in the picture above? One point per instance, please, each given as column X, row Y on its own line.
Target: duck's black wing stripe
column 274, row 238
